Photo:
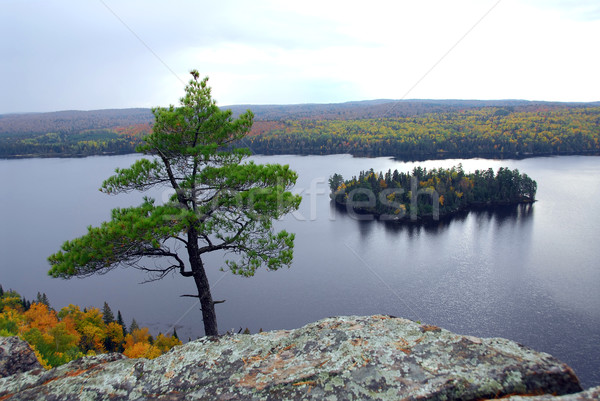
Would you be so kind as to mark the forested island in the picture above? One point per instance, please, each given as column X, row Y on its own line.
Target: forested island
column 429, row 194
column 406, row 130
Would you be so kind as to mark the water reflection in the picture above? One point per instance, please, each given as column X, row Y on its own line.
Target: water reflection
column 500, row 216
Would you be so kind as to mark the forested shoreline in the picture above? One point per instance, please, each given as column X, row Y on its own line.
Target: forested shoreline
column 486, row 132
column 92, row 142
column 494, row 132
column 429, row 194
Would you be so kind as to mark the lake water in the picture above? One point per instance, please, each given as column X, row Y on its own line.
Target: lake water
column 530, row 274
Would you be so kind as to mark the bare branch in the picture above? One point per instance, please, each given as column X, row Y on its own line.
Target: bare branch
column 180, row 239
column 198, row 296
column 225, row 244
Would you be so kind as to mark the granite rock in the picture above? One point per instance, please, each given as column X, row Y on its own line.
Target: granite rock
column 16, row 356
column 340, row 358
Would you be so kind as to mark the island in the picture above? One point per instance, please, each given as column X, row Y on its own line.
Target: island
column 425, row 195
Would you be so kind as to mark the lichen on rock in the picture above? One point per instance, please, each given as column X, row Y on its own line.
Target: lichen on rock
column 16, row 356
column 352, row 358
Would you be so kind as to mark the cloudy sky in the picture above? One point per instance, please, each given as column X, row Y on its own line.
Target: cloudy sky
column 93, row 54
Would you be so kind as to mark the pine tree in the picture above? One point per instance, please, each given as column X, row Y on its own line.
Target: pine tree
column 107, row 314
column 221, row 203
column 25, row 303
column 1, row 291
column 121, row 322
column 133, row 326
column 175, row 333
column 45, row 300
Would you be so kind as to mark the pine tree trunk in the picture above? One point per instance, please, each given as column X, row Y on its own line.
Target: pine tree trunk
column 209, row 317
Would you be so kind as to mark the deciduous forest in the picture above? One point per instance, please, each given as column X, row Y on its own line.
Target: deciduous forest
column 405, row 129
column 482, row 132
column 60, row 337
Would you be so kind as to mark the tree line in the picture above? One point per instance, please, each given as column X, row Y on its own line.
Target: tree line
column 440, row 133
column 58, row 337
column 482, row 132
column 426, row 194
column 117, row 140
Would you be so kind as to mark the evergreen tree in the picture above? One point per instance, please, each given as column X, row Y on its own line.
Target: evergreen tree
column 175, row 333
column 121, row 322
column 133, row 326
column 45, row 300
column 220, row 203
column 335, row 181
column 25, row 303
column 107, row 314
column 1, row 291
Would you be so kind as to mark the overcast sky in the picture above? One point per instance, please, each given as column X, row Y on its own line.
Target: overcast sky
column 93, row 54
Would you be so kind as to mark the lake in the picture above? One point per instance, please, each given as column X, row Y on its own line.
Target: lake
column 530, row 274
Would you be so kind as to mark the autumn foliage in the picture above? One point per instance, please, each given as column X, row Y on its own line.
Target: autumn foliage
column 60, row 337
column 431, row 193
column 483, row 132
column 408, row 130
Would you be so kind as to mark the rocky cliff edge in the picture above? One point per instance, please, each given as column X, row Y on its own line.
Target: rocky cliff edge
column 340, row 358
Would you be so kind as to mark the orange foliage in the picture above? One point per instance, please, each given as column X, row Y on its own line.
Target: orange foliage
column 261, row 127
column 40, row 317
column 134, row 132
column 58, row 338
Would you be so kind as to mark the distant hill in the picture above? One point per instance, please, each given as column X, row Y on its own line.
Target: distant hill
column 73, row 121
column 383, row 127
column 388, row 108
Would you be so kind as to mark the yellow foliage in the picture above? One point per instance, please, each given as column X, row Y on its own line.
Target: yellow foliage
column 12, row 315
column 401, row 209
column 165, row 343
column 57, row 338
column 114, row 332
column 71, row 311
column 40, row 358
column 93, row 316
column 153, row 352
column 136, row 350
column 142, row 350
column 92, row 337
column 137, row 336
column 137, row 344
column 8, row 302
